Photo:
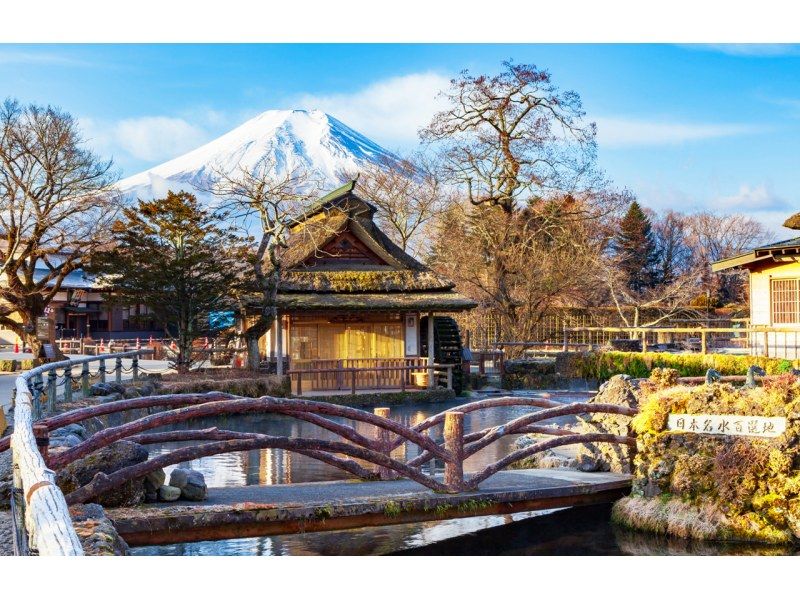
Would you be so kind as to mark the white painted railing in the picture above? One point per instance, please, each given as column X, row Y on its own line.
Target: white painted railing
column 48, row 526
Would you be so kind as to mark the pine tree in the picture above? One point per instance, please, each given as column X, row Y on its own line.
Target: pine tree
column 179, row 260
column 636, row 248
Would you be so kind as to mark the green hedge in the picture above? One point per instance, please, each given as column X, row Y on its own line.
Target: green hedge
column 602, row 365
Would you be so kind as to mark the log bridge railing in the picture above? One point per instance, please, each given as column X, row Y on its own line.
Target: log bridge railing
column 368, row 457
column 39, row 511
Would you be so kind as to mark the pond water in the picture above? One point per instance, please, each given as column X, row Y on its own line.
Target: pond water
column 566, row 531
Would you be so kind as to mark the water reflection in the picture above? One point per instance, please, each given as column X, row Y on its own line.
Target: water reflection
column 277, row 466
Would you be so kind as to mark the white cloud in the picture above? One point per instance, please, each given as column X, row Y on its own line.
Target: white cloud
column 157, row 137
column 765, row 50
column 390, row 111
column 151, row 138
column 39, row 58
column 615, row 132
column 760, row 198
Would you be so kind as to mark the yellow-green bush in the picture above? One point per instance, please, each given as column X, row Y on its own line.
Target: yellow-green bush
column 8, row 365
column 751, row 484
column 602, row 365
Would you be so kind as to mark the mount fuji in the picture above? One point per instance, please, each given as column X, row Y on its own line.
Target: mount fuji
column 289, row 139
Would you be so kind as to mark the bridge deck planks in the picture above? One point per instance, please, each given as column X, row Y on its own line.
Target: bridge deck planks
column 248, row 511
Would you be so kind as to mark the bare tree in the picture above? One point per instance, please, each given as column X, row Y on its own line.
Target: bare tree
column 659, row 302
column 514, row 142
column 713, row 237
column 56, row 209
column 409, row 194
column 549, row 258
column 513, row 137
column 271, row 203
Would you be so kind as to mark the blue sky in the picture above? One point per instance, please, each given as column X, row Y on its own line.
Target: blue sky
column 683, row 127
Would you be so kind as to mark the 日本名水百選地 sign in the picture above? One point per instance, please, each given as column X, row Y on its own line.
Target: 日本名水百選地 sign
column 729, row 425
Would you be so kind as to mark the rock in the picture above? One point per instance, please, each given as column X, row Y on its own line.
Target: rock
column 152, row 482
column 619, row 390
column 132, row 393
column 110, row 398
column 105, row 388
column 190, row 481
column 6, row 480
column 588, row 463
column 66, row 440
column 71, row 429
column 147, row 389
column 169, row 493
column 97, row 534
column 156, row 478
column 107, row 460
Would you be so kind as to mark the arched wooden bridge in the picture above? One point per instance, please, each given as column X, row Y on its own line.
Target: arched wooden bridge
column 393, row 490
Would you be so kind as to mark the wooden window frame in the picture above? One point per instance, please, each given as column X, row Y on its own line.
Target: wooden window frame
column 784, row 301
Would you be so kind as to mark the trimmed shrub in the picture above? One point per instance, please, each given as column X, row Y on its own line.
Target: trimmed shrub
column 8, row 365
column 602, row 365
column 26, row 364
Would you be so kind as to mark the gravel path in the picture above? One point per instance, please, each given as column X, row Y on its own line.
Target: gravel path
column 6, row 540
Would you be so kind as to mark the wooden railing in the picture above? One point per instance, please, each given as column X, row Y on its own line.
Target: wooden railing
column 370, row 373
column 41, row 519
column 770, row 341
column 377, row 377
column 365, row 456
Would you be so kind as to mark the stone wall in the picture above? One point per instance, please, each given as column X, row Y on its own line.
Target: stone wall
column 717, row 486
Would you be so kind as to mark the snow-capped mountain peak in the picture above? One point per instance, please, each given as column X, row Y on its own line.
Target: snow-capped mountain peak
column 289, row 139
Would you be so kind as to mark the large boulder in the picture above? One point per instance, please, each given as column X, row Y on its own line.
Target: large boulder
column 97, row 534
column 107, row 460
column 190, row 481
column 619, row 390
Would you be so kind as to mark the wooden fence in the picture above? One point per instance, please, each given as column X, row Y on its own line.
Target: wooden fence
column 768, row 341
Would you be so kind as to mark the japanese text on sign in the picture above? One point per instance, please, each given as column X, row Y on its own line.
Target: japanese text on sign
column 732, row 425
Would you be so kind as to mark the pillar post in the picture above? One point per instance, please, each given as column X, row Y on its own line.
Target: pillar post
column 431, row 378
column 279, row 343
column 454, row 444
column 383, row 437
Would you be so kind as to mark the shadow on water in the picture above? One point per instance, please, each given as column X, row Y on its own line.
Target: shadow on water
column 582, row 531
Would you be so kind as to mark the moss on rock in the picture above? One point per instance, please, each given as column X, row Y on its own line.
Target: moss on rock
column 718, row 487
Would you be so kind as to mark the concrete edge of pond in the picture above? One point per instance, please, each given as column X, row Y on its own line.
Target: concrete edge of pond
column 252, row 511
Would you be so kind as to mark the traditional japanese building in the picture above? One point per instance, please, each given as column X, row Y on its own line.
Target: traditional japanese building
column 774, row 275
column 351, row 298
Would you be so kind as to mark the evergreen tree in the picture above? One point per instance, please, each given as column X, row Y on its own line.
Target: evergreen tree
column 177, row 259
column 636, row 248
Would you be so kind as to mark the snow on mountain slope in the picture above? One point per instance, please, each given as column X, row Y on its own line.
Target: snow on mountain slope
column 292, row 138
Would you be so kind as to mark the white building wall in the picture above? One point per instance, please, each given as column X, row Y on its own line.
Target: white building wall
column 786, row 343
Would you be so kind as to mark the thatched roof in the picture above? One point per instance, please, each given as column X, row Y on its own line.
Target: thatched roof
column 441, row 301
column 307, row 241
column 338, row 259
column 793, row 222
column 367, row 281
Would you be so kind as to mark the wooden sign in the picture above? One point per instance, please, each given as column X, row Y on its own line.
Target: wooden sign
column 49, row 351
column 728, row 425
